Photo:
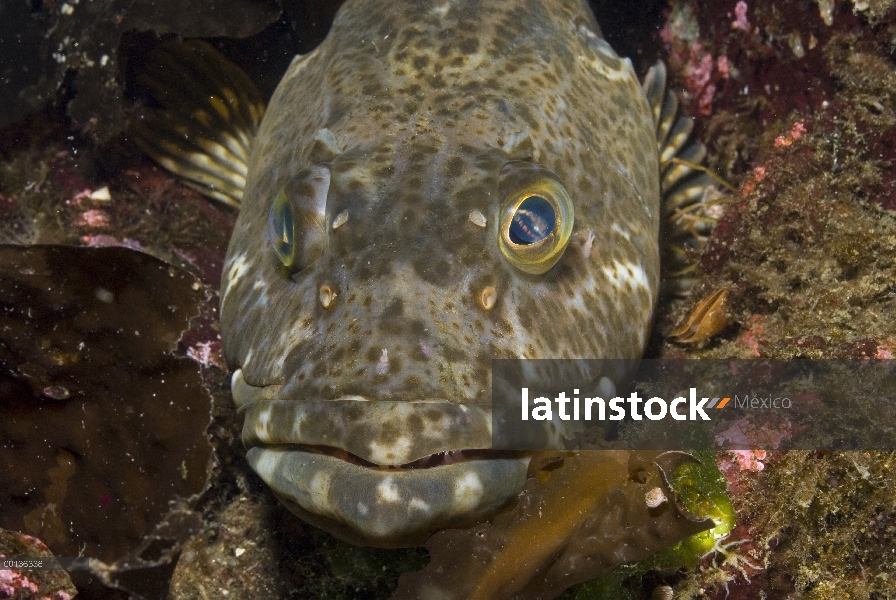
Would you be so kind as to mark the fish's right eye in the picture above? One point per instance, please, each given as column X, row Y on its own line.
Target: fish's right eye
column 297, row 219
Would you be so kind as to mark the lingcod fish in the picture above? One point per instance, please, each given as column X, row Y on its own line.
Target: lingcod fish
column 439, row 184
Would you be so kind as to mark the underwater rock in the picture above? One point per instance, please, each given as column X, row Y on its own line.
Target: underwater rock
column 808, row 245
column 579, row 516
column 58, row 39
column 102, row 423
column 24, row 584
column 234, row 555
column 255, row 548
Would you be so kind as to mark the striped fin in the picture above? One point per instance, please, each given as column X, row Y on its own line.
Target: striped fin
column 210, row 113
column 688, row 193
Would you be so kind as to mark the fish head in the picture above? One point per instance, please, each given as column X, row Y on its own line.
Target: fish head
column 395, row 239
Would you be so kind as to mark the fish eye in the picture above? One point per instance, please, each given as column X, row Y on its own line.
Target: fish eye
column 297, row 219
column 536, row 219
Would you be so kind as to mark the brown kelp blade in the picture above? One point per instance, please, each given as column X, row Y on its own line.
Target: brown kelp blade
column 589, row 516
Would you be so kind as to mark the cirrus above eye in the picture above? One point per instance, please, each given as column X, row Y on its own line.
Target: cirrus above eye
column 536, row 218
column 297, row 219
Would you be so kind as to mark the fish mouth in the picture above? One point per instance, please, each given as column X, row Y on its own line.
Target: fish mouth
column 378, row 473
column 380, row 432
column 431, row 461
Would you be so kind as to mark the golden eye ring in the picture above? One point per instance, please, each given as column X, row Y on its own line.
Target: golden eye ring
column 536, row 225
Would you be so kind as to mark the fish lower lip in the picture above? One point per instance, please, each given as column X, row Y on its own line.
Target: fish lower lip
column 387, row 507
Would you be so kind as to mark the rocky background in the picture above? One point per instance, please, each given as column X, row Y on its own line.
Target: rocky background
column 117, row 432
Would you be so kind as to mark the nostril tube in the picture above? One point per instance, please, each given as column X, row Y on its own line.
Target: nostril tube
column 326, row 295
column 488, row 297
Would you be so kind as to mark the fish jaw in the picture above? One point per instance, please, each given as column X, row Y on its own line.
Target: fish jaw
column 386, row 508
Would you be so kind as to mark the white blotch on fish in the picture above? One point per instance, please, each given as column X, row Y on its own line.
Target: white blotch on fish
column 382, row 367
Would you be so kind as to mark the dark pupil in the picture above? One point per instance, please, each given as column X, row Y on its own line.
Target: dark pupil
column 533, row 221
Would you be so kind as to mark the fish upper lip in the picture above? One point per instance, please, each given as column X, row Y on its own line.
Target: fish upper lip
column 245, row 394
column 380, row 432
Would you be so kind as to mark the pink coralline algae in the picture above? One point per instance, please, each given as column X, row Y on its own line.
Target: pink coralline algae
column 723, row 67
column 745, row 433
column 698, row 76
column 93, row 218
column 13, row 581
column 749, row 460
column 795, row 133
column 757, row 176
column 740, row 17
column 109, row 241
column 13, row 584
column 702, row 73
column 751, row 336
column 699, row 71
column 78, row 199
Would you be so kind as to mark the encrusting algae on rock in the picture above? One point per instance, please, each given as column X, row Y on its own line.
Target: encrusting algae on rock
column 807, row 249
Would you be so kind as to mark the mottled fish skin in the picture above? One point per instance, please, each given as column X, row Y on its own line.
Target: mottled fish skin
column 381, row 347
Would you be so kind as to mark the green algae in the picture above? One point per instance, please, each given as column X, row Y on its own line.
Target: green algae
column 702, row 490
column 358, row 570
